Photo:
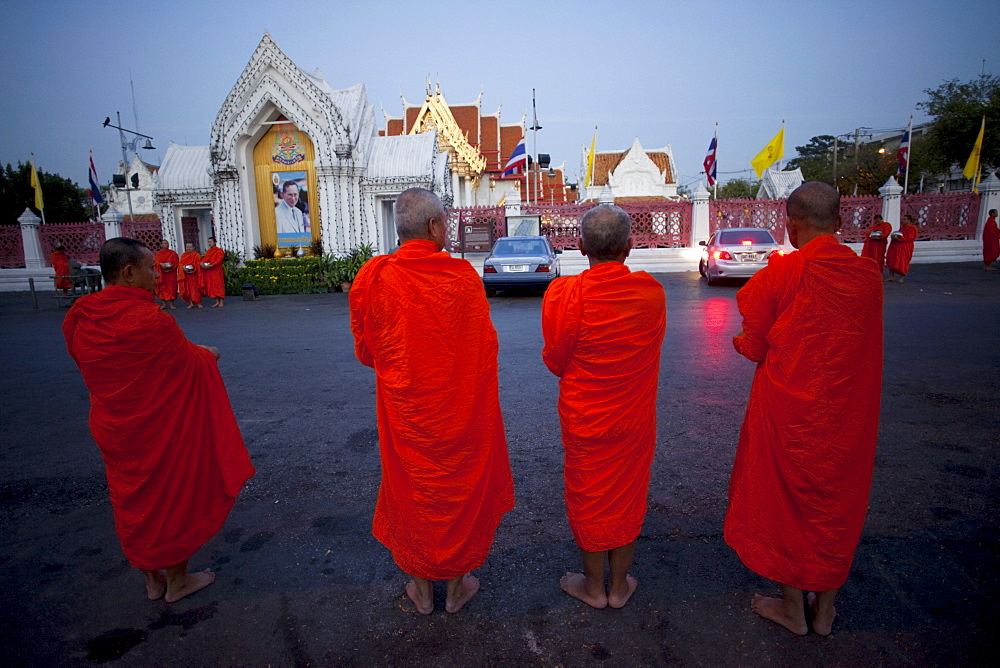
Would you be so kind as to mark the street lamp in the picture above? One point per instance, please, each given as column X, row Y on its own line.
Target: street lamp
column 535, row 127
column 132, row 144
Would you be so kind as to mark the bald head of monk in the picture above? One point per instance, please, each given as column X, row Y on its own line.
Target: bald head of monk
column 128, row 263
column 419, row 214
column 606, row 234
column 813, row 210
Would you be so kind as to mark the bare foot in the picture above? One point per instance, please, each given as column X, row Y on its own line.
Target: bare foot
column 889, row 280
column 190, row 305
column 423, row 600
column 163, row 308
column 900, row 279
column 774, row 610
column 200, row 306
column 156, row 584
column 617, row 599
column 464, row 590
column 189, row 584
column 172, row 306
column 575, row 584
column 822, row 622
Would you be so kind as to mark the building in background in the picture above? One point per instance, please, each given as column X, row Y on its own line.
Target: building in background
column 634, row 174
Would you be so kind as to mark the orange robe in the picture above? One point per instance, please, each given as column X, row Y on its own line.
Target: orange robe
column 420, row 318
column 991, row 241
column 213, row 279
column 60, row 267
column 160, row 414
column 603, row 331
column 166, row 282
column 812, row 320
column 900, row 252
column 875, row 248
column 190, row 284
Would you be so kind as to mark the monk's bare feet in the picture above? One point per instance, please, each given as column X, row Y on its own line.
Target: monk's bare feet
column 618, row 599
column 889, row 280
column 460, row 592
column 172, row 306
column 190, row 305
column 189, row 584
column 822, row 620
column 163, row 308
column 422, row 597
column 156, row 584
column 200, row 306
column 774, row 610
column 900, row 279
column 575, row 584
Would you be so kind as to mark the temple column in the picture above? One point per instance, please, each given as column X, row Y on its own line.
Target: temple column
column 988, row 199
column 112, row 220
column 457, row 190
column 29, row 237
column 891, row 202
column 699, row 216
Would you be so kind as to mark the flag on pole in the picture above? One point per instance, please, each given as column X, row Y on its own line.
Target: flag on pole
column 903, row 153
column 709, row 164
column 95, row 188
column 774, row 151
column 971, row 170
column 590, row 160
column 36, row 183
column 518, row 159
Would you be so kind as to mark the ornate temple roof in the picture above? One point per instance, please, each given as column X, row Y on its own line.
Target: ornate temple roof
column 185, row 168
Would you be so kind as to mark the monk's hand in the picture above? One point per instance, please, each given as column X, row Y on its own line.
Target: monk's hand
column 213, row 350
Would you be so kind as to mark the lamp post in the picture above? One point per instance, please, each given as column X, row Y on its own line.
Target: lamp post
column 121, row 135
column 535, row 127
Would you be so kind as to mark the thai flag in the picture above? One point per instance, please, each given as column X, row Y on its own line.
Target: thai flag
column 903, row 153
column 709, row 163
column 95, row 189
column 518, row 159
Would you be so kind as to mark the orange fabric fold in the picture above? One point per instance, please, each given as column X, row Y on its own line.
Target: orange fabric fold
column 161, row 417
column 603, row 331
column 875, row 248
column 420, row 318
column 900, row 252
column 60, row 267
column 991, row 240
column 812, row 320
column 166, row 281
column 190, row 283
column 213, row 280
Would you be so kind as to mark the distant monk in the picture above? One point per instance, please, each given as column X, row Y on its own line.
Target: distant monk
column 420, row 318
column 603, row 330
column 60, row 268
column 991, row 241
column 160, row 414
column 166, row 281
column 900, row 252
column 213, row 279
column 876, row 239
column 812, row 320
column 189, row 278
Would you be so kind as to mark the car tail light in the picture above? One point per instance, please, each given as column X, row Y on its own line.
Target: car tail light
column 747, row 242
column 487, row 269
column 722, row 255
column 776, row 252
column 542, row 267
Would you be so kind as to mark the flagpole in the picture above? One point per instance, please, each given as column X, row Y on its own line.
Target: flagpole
column 782, row 144
column 97, row 208
column 909, row 156
column 715, row 187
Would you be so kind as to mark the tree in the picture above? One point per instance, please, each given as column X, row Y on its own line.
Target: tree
column 64, row 200
column 957, row 111
column 737, row 189
column 815, row 159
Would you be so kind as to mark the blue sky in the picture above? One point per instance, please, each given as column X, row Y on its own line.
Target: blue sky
column 663, row 71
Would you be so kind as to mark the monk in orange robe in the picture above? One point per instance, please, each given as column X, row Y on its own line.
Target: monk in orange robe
column 876, row 240
column 213, row 279
column 189, row 278
column 603, row 330
column 900, row 252
column 420, row 318
column 812, row 321
column 991, row 241
column 60, row 267
column 166, row 280
column 160, row 415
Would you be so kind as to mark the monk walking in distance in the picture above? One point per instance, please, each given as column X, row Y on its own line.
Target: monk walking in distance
column 812, row 321
column 420, row 318
column 603, row 331
column 159, row 412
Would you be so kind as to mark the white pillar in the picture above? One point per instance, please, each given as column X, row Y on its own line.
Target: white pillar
column 699, row 216
column 112, row 220
column 891, row 202
column 29, row 237
column 456, row 188
column 512, row 204
column 607, row 196
column 989, row 198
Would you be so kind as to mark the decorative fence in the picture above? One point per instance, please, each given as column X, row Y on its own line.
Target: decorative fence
column 943, row 216
column 559, row 222
column 857, row 214
column 82, row 241
column 11, row 247
column 767, row 214
column 148, row 232
column 654, row 224
column 479, row 216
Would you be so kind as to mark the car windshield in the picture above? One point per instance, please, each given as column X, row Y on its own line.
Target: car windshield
column 517, row 247
column 737, row 237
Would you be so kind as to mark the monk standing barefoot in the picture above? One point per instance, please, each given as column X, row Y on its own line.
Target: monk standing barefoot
column 420, row 318
column 152, row 421
column 812, row 321
column 603, row 330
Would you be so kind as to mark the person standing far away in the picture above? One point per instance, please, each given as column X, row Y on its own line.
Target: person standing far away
column 60, row 266
column 420, row 318
column 603, row 330
column 876, row 239
column 174, row 455
column 900, row 252
column 213, row 278
column 166, row 280
column 190, row 276
column 798, row 495
column 991, row 241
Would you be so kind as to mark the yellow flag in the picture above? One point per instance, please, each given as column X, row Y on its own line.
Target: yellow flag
column 972, row 165
column 774, row 151
column 590, row 159
column 36, row 183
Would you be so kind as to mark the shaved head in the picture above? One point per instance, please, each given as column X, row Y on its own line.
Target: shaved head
column 606, row 231
column 118, row 253
column 816, row 206
column 414, row 210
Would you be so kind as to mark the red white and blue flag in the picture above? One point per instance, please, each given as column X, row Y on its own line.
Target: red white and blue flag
column 709, row 164
column 903, row 153
column 518, row 160
column 95, row 188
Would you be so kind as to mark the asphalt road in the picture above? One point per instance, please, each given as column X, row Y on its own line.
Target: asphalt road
column 301, row 581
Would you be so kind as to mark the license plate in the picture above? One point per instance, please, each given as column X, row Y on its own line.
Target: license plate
column 513, row 268
column 748, row 257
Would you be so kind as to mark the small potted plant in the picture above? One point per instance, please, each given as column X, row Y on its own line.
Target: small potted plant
column 353, row 263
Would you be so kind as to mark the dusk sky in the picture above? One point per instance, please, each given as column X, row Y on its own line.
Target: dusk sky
column 665, row 72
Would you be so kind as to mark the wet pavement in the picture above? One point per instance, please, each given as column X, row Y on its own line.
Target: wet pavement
column 301, row 581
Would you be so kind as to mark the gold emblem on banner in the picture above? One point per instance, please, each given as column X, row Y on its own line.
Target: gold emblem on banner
column 287, row 148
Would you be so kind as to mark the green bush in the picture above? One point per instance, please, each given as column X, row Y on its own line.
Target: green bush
column 285, row 276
